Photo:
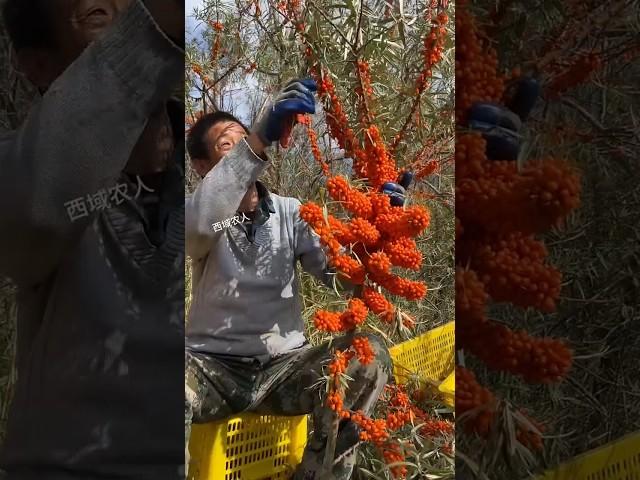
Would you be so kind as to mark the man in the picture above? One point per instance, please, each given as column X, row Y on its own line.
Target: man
column 92, row 191
column 246, row 349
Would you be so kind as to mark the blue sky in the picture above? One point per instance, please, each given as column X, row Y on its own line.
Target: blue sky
column 193, row 29
column 190, row 23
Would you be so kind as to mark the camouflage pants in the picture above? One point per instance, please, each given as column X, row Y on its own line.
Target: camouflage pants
column 290, row 384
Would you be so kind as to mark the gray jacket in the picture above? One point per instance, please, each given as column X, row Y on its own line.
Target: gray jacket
column 246, row 291
column 100, row 312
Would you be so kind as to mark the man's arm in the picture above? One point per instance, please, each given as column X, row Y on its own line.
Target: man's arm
column 220, row 193
column 78, row 138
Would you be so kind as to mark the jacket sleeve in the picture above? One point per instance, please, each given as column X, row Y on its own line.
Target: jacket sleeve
column 311, row 254
column 77, row 139
column 218, row 197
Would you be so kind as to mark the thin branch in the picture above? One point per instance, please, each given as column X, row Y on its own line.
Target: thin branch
column 583, row 112
column 335, row 27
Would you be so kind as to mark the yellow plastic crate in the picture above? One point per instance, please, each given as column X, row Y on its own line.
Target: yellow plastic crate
column 448, row 388
column 430, row 356
column 618, row 460
column 247, row 447
column 256, row 447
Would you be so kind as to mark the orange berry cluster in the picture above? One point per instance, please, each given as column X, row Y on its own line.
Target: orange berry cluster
column 574, row 74
column 409, row 289
column 433, row 50
column 435, row 428
column 427, row 169
column 312, row 214
column 379, row 264
column 536, row 360
column 340, row 362
column 403, row 252
column 403, row 223
column 533, row 200
column 380, row 167
column 327, row 321
column 341, row 231
column 313, row 140
column 476, row 66
column 397, row 420
column 338, row 121
column 361, row 230
column 379, row 304
column 471, row 298
column 352, row 199
column 432, row 54
column 499, row 207
column 399, row 397
column 349, row 267
column 365, row 76
column 374, row 161
column 376, row 223
column 354, row 315
column 401, row 412
column 385, row 233
column 470, row 155
column 393, row 454
column 217, row 26
column 513, row 269
column 215, row 50
column 471, row 396
column 375, row 431
column 334, row 401
column 363, row 349
column 424, row 164
column 374, row 237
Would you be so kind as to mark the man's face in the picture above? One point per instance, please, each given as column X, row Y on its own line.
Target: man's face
column 220, row 139
column 76, row 24
column 79, row 22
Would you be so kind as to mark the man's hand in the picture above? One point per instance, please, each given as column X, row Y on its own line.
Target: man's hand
column 398, row 191
column 296, row 98
column 500, row 125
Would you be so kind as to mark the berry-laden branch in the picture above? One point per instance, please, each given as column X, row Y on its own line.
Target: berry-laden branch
column 368, row 241
column 499, row 210
column 432, row 54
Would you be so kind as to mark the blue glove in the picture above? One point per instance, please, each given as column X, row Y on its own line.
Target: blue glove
column 500, row 125
column 296, row 98
column 397, row 191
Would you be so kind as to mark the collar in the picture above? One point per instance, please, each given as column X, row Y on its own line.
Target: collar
column 262, row 213
column 265, row 205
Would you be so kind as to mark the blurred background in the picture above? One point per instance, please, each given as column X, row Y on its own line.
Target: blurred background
column 585, row 56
